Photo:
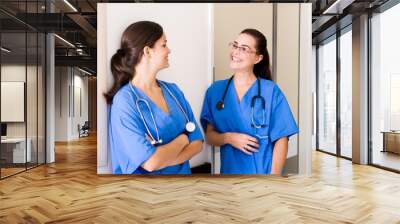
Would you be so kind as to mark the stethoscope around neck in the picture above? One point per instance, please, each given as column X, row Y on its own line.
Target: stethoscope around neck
column 220, row 104
column 189, row 127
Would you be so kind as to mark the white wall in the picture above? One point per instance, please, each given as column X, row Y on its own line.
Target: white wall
column 287, row 61
column 14, row 73
column 314, row 96
column 243, row 15
column 33, row 125
column 17, row 73
column 305, row 90
column 294, row 75
column 61, row 103
column 70, row 84
column 12, row 101
column 80, row 104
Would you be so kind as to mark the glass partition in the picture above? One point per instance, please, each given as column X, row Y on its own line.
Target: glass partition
column 14, row 154
column 327, row 97
column 22, row 88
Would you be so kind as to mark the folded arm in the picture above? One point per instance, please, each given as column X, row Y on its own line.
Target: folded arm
column 188, row 152
column 166, row 154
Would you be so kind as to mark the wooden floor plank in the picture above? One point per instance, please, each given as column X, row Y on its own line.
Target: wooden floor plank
column 70, row 191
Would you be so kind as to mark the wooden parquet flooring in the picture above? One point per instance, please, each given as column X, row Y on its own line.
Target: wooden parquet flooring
column 10, row 171
column 70, row 191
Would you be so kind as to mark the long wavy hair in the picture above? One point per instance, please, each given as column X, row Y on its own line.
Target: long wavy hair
column 134, row 39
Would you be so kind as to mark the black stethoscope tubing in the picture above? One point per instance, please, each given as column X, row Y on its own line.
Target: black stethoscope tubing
column 220, row 104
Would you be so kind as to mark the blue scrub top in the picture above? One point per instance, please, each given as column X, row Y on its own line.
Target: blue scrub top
column 127, row 134
column 236, row 117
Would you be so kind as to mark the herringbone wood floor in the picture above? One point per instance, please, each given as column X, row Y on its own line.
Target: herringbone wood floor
column 70, row 191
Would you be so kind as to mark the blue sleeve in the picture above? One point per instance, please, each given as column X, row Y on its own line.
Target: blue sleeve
column 196, row 134
column 282, row 122
column 129, row 146
column 206, row 113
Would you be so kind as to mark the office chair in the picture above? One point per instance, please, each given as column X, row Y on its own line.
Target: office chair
column 84, row 130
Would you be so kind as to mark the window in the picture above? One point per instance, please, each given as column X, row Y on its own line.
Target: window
column 346, row 94
column 333, row 137
column 385, row 89
column 327, row 97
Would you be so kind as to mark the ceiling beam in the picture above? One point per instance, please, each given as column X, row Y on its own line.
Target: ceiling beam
column 82, row 61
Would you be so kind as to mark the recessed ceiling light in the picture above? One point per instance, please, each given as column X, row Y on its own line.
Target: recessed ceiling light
column 337, row 7
column 64, row 40
column 70, row 5
column 84, row 71
column 5, row 50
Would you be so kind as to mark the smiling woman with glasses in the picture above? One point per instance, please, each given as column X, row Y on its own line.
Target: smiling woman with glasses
column 247, row 115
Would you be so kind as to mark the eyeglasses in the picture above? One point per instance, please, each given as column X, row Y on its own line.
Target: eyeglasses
column 242, row 50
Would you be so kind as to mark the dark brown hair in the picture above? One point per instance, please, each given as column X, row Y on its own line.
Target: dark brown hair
column 261, row 69
column 134, row 39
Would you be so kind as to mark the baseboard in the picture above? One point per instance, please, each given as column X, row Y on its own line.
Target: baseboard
column 204, row 168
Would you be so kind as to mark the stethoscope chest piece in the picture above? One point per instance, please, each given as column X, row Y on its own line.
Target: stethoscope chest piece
column 156, row 142
column 190, row 127
column 220, row 105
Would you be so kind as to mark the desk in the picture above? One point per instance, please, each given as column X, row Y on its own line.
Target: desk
column 15, row 148
column 391, row 141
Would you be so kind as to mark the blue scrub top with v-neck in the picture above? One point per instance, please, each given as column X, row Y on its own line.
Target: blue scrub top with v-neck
column 127, row 134
column 236, row 117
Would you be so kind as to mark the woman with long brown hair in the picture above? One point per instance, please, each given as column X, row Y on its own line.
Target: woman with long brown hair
column 247, row 114
column 152, row 129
